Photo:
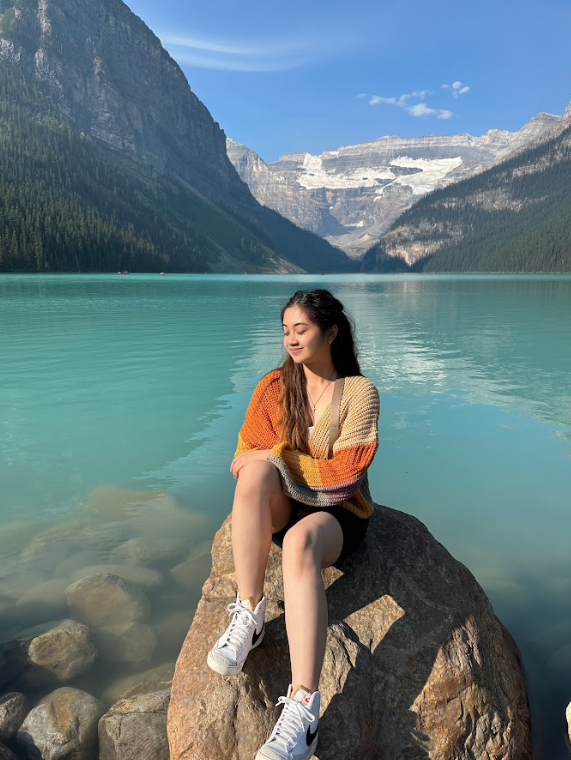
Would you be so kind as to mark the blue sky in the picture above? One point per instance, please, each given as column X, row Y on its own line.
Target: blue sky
column 315, row 75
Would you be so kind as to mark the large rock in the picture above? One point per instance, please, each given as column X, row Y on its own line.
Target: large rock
column 135, row 728
column 63, row 726
column 416, row 664
column 13, row 710
column 51, row 653
column 106, row 599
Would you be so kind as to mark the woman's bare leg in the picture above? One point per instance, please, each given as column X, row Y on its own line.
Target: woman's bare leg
column 311, row 544
column 260, row 508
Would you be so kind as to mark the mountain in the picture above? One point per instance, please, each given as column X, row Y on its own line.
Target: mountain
column 110, row 161
column 515, row 217
column 352, row 195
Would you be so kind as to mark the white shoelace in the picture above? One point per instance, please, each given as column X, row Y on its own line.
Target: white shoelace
column 290, row 722
column 239, row 629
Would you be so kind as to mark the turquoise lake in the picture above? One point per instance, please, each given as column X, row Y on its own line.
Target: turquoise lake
column 118, row 389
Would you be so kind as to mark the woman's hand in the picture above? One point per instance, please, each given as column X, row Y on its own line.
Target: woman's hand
column 245, row 457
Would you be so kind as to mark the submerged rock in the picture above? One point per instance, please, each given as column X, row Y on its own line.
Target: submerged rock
column 63, row 726
column 142, row 551
column 190, row 574
column 51, row 653
column 106, row 599
column 135, row 728
column 132, row 643
column 45, row 601
column 416, row 663
column 140, row 576
column 13, row 710
column 156, row 679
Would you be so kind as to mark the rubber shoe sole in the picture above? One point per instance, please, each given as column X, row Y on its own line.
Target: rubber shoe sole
column 273, row 755
column 232, row 670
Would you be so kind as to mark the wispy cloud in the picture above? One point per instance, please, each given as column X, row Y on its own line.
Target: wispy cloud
column 241, row 55
column 457, row 88
column 419, row 110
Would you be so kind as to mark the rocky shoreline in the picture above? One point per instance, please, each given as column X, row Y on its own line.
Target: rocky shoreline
column 88, row 637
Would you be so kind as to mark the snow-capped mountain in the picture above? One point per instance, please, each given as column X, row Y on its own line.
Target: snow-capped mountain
column 352, row 195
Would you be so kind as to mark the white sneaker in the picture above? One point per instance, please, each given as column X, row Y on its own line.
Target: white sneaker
column 245, row 632
column 295, row 734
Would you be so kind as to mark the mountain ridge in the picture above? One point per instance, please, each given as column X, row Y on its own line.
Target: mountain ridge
column 352, row 195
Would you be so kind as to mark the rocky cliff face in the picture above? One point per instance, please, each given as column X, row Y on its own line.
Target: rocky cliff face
column 352, row 195
column 107, row 73
column 104, row 74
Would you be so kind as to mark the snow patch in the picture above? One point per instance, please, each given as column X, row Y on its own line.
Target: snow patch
column 432, row 172
column 314, row 175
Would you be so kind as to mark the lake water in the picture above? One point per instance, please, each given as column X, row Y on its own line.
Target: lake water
column 121, row 399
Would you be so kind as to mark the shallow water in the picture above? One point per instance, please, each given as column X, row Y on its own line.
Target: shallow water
column 117, row 389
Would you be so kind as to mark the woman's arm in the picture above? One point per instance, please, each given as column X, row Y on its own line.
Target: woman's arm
column 257, row 435
column 325, row 482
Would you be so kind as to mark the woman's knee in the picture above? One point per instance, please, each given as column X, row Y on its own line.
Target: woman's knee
column 300, row 547
column 259, row 474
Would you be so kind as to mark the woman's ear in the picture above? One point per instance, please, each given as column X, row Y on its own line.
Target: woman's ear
column 333, row 333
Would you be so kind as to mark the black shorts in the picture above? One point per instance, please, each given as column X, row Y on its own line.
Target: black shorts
column 353, row 527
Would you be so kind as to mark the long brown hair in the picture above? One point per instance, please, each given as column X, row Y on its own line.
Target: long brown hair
column 324, row 310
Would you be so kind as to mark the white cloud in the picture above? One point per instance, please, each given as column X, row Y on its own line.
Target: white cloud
column 242, row 55
column 458, row 88
column 418, row 110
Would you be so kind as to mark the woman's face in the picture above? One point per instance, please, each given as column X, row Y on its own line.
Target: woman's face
column 303, row 339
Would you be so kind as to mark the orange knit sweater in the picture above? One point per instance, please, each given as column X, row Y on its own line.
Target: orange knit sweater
column 311, row 478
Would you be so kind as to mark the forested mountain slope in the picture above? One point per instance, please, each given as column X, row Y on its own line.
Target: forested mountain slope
column 515, row 217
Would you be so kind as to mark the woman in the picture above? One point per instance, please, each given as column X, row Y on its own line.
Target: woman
column 316, row 507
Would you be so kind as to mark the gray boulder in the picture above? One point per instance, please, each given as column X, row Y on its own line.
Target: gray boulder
column 63, row 726
column 106, row 599
column 13, row 710
column 416, row 664
column 136, row 728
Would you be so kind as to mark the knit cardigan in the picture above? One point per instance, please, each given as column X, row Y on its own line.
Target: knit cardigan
column 312, row 479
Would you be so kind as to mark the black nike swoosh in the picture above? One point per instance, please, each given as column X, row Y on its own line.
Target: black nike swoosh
column 256, row 636
column 310, row 736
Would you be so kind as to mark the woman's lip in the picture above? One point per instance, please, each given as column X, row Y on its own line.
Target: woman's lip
column 294, row 350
